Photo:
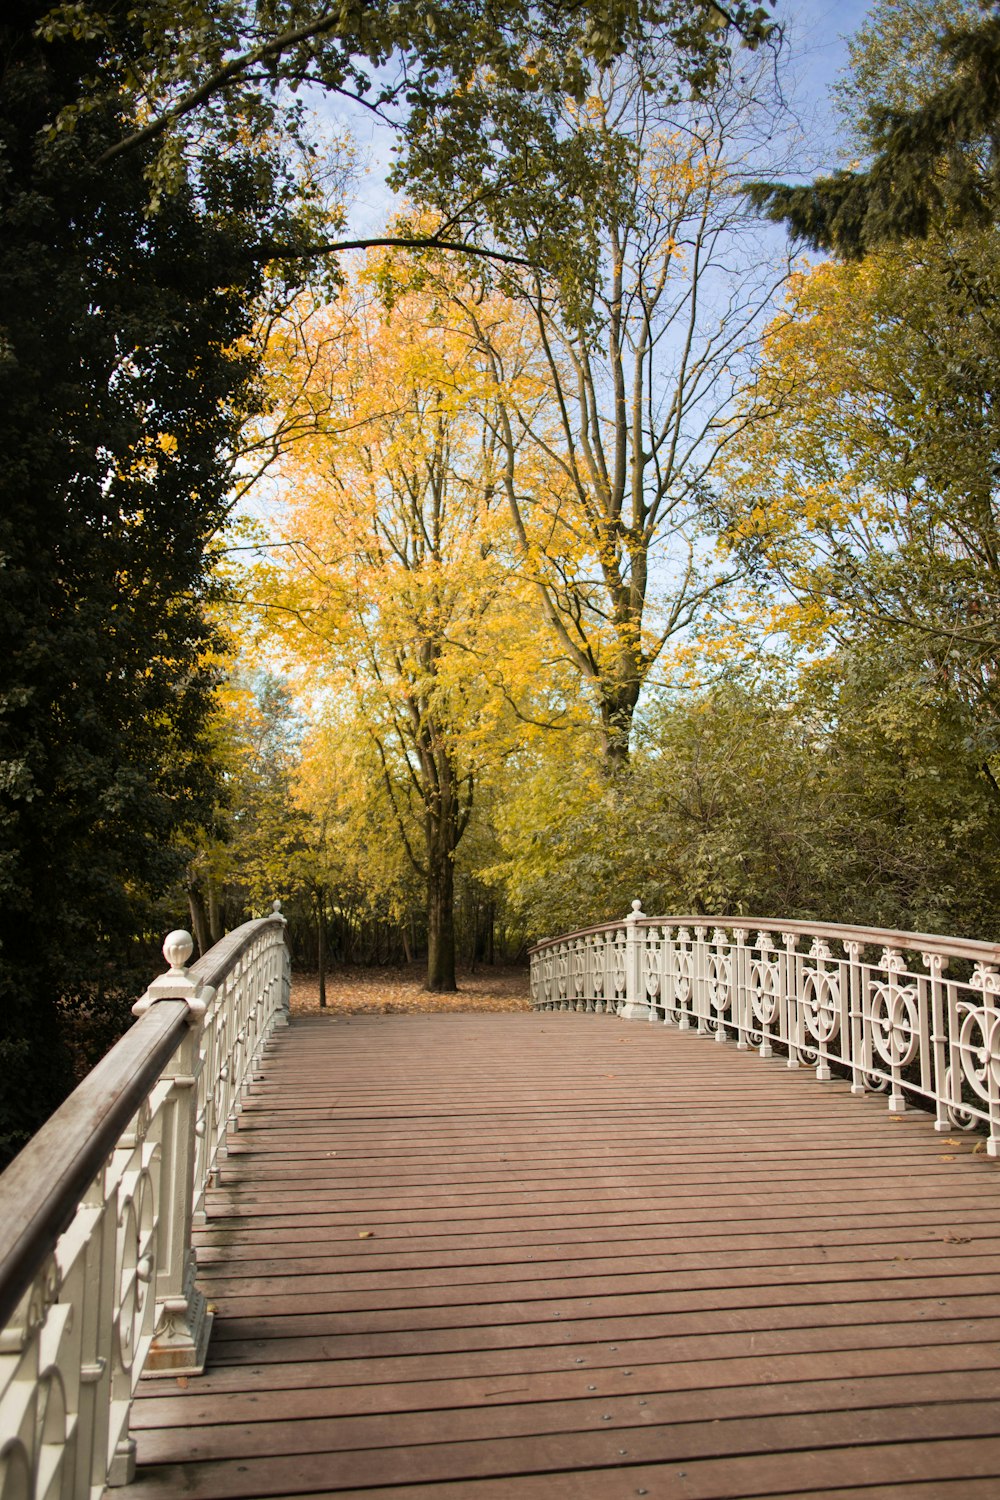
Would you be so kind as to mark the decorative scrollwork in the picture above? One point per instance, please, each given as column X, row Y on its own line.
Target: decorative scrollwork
column 892, row 961
column 598, row 945
column 961, row 1119
column 986, row 978
column 895, row 1020
column 763, row 988
column 33, row 1310
column 683, row 977
column 15, row 1472
column 820, row 1001
column 719, row 975
column 979, row 1048
column 651, row 969
column 578, row 965
column 135, row 1221
column 618, row 963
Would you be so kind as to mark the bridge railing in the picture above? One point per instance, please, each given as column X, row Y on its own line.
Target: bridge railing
column 909, row 1014
column 97, row 1270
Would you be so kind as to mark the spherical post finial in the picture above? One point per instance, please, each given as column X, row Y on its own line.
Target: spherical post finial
column 637, row 906
column 276, row 908
column 177, row 949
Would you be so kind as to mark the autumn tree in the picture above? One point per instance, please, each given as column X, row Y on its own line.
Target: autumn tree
column 871, row 489
column 865, row 505
column 396, row 589
column 473, row 91
column 636, row 374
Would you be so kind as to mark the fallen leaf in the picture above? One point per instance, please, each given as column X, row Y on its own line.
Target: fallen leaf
column 979, row 1149
column 182, row 1382
column 957, row 1239
column 366, row 1234
column 946, row 1158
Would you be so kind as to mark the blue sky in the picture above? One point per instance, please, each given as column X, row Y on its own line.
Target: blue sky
column 817, row 31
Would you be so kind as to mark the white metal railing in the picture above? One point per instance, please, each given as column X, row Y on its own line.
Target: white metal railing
column 97, row 1269
column 908, row 1014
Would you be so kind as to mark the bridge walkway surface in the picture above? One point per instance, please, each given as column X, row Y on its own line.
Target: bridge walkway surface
column 459, row 1257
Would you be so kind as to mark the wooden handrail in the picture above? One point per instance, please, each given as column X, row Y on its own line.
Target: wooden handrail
column 42, row 1187
column 875, row 937
column 98, row 1274
column 214, row 965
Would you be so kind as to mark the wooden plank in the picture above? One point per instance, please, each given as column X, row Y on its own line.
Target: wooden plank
column 513, row 1411
column 285, row 1371
column 322, row 1390
column 597, row 1259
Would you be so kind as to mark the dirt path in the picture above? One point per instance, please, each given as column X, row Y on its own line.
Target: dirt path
column 356, row 991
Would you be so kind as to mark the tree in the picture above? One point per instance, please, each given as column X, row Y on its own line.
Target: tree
column 395, row 585
column 635, row 376
column 870, row 490
column 151, row 165
column 929, row 160
column 125, row 375
column 473, row 89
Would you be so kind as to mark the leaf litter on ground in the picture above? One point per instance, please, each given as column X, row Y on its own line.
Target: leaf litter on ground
column 355, row 991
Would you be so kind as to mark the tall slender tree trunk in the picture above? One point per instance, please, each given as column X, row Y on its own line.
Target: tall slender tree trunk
column 441, row 922
column 321, row 945
column 214, row 911
column 199, row 920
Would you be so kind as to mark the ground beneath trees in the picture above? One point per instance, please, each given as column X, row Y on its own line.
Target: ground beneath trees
column 357, row 991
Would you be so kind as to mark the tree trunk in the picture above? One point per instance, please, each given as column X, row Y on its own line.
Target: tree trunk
column 214, row 911
column 199, row 921
column 441, row 924
column 618, row 702
column 321, row 947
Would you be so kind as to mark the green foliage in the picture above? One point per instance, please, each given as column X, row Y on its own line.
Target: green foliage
column 123, row 386
column 856, row 794
column 474, row 90
column 931, row 160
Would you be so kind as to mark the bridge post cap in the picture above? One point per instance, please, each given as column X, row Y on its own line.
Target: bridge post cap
column 178, row 983
column 636, row 911
column 177, row 949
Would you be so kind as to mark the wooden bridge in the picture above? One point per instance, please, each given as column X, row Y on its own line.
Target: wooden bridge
column 559, row 1254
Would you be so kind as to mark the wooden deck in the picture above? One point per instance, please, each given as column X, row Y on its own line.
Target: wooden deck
column 564, row 1257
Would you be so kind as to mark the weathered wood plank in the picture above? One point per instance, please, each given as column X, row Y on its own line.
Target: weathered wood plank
column 602, row 1260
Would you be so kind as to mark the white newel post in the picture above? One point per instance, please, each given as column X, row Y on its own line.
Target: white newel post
column 182, row 1320
column 636, row 1007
